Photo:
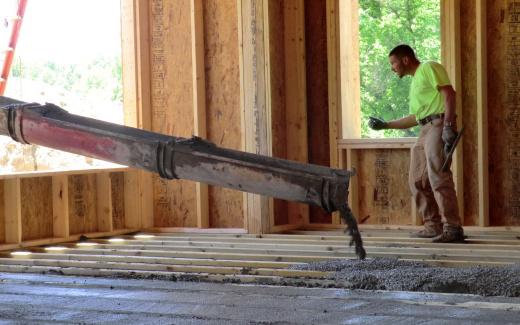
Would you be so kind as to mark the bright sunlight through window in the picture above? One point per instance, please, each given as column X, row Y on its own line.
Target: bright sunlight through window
column 68, row 54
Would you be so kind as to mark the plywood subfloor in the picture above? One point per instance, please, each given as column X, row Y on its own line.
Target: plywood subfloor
column 250, row 258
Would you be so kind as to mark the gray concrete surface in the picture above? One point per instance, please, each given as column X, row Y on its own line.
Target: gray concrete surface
column 45, row 299
column 393, row 274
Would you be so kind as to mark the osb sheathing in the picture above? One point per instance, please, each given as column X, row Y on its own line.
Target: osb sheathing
column 2, row 212
column 36, row 198
column 384, row 195
column 317, row 92
column 82, row 204
column 117, row 189
column 503, row 111
column 277, row 70
column 223, row 117
column 172, row 104
column 503, row 40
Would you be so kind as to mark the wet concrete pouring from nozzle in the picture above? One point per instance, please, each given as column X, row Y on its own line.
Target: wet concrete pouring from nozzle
column 397, row 275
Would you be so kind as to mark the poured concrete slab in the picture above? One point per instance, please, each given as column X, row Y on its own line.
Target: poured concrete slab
column 34, row 298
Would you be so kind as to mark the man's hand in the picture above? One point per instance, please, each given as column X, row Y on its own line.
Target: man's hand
column 448, row 137
column 376, row 123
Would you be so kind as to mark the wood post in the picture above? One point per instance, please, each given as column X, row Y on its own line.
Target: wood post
column 135, row 33
column 199, row 101
column 450, row 43
column 482, row 116
column 295, row 95
column 13, row 211
column 60, row 205
column 253, row 93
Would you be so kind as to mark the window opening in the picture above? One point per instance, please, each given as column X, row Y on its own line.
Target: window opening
column 69, row 54
column 383, row 25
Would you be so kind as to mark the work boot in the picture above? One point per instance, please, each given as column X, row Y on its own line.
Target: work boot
column 450, row 235
column 428, row 232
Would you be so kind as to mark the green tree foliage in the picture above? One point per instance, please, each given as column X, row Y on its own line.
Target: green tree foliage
column 383, row 24
column 101, row 77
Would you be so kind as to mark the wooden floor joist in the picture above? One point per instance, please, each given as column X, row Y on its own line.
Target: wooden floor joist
column 249, row 258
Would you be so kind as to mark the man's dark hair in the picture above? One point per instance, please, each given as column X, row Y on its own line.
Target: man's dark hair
column 403, row 50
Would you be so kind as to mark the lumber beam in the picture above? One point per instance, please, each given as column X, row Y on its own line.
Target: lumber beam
column 334, row 90
column 350, row 86
column 295, row 95
column 352, row 164
column 338, row 157
column 60, row 206
column 13, row 211
column 343, row 82
column 104, row 202
column 256, row 128
column 135, row 34
column 482, row 116
column 450, row 52
column 132, row 199
column 198, row 230
column 199, row 100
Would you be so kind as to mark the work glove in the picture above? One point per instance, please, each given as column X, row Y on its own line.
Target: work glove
column 448, row 137
column 376, row 123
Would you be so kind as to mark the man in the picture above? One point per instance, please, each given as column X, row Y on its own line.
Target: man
column 432, row 106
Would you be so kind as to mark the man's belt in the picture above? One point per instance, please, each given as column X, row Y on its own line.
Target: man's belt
column 430, row 118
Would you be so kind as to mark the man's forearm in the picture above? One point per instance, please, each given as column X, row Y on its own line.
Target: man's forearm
column 449, row 94
column 402, row 123
column 450, row 115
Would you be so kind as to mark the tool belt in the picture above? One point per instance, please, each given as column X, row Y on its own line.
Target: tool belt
column 430, row 118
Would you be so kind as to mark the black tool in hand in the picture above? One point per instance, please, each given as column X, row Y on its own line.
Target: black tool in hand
column 447, row 161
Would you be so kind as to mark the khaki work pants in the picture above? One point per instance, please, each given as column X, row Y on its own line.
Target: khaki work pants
column 433, row 191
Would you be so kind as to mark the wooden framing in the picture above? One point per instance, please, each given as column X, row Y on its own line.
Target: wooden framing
column 269, row 98
column 16, row 230
column 349, row 69
column 13, row 211
column 136, row 97
column 337, row 157
column 352, row 164
column 256, row 68
column 198, row 230
column 104, row 202
column 482, row 116
column 60, row 205
column 344, row 82
column 450, row 52
column 199, row 101
column 253, row 22
column 254, row 102
column 348, row 80
column 222, row 106
column 247, row 258
column 295, row 95
column 350, row 149
column 137, row 76
column 135, row 210
column 137, row 102
column 388, row 143
column 334, row 91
